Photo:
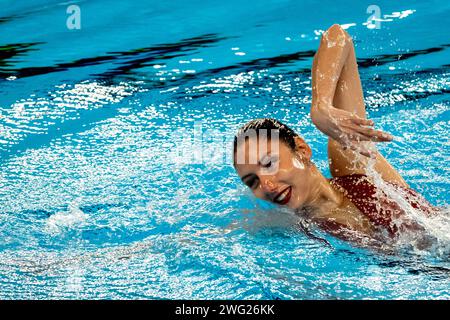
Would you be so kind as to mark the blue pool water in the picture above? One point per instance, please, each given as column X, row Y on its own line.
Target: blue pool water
column 97, row 199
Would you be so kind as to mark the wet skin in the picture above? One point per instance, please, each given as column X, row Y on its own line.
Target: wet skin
column 279, row 176
column 337, row 110
column 288, row 178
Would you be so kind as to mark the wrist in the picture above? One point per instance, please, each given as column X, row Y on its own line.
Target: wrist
column 322, row 105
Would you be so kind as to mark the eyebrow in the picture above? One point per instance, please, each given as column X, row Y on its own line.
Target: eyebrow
column 268, row 154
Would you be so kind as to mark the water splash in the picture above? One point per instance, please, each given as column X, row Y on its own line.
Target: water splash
column 66, row 219
column 431, row 238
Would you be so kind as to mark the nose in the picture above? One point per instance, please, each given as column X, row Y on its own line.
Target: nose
column 268, row 185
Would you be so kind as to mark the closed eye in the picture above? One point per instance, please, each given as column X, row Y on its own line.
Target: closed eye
column 268, row 161
column 267, row 165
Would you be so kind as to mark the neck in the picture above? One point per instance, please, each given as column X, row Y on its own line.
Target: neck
column 324, row 198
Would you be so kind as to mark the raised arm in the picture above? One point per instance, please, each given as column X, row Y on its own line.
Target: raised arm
column 338, row 108
column 344, row 122
column 334, row 48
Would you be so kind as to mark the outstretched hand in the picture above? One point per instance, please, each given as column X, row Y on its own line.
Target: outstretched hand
column 347, row 128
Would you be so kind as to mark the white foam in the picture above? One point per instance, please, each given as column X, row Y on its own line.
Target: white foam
column 66, row 219
column 434, row 239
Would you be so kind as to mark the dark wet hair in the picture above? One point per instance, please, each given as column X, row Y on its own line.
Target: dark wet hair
column 285, row 134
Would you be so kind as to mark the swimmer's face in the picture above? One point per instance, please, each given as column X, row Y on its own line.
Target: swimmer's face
column 276, row 173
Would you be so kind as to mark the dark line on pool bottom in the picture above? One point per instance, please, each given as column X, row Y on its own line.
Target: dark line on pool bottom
column 162, row 52
column 146, row 54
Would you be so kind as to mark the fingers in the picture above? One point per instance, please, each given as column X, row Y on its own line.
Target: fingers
column 354, row 135
column 372, row 134
column 362, row 122
column 356, row 132
column 359, row 125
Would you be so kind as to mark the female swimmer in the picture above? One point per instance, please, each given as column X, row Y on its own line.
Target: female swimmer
column 283, row 172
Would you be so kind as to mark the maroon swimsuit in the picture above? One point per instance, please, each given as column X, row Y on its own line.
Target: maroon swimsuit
column 376, row 205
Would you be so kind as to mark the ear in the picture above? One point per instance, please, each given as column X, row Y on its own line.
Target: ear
column 302, row 148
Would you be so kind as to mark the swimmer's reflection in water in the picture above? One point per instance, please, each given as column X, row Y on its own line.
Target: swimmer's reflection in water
column 275, row 162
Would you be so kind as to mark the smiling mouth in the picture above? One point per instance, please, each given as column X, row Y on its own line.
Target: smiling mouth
column 284, row 196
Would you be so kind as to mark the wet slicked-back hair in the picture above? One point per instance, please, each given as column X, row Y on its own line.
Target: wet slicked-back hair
column 285, row 134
